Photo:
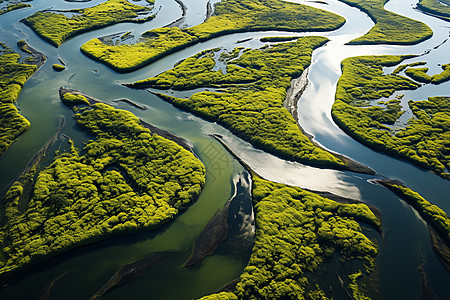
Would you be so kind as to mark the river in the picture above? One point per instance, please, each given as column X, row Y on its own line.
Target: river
column 405, row 242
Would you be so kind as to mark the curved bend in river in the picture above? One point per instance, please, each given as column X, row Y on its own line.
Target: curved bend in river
column 230, row 16
column 253, row 85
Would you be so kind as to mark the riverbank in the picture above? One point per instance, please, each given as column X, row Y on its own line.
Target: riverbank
column 57, row 26
column 163, row 133
column 229, row 17
column 126, row 180
column 390, row 28
column 356, row 113
column 250, row 97
column 14, row 73
column 434, row 216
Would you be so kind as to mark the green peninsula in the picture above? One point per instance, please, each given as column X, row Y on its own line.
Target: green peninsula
column 390, row 28
column 124, row 180
column 230, row 16
column 13, row 75
column 57, row 26
column 249, row 102
column 12, row 6
column 296, row 233
column 425, row 139
column 440, row 9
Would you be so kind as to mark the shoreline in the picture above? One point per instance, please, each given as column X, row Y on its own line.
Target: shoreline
column 324, row 194
column 438, row 239
column 161, row 132
column 293, row 95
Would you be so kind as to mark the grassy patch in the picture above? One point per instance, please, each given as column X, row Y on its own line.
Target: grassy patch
column 425, row 139
column 13, row 6
column 436, row 8
column 278, row 39
column 296, row 232
column 13, row 75
column 443, row 76
column 419, row 74
column 55, row 27
column 230, row 16
column 390, row 28
column 126, row 179
column 250, row 103
column 58, row 67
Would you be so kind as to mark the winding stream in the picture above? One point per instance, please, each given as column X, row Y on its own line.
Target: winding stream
column 404, row 246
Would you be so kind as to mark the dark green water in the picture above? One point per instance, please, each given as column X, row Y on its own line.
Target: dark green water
column 404, row 246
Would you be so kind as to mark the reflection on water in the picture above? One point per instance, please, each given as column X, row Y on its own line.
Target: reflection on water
column 293, row 173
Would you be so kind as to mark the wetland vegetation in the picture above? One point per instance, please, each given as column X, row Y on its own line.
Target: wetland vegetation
column 125, row 179
column 420, row 75
column 251, row 88
column 12, row 6
column 13, row 75
column 230, row 16
column 58, row 67
column 425, row 139
column 390, row 28
column 438, row 8
column 296, row 233
column 57, row 26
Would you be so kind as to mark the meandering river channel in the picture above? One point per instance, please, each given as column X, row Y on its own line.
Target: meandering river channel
column 405, row 243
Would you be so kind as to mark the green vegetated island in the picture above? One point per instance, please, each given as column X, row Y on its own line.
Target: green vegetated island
column 230, row 16
column 297, row 232
column 424, row 141
column 57, row 26
column 58, row 67
column 390, row 28
column 13, row 75
column 6, row 6
column 125, row 179
column 437, row 8
column 251, row 86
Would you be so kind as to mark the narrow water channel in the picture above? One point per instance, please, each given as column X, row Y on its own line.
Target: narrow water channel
column 404, row 246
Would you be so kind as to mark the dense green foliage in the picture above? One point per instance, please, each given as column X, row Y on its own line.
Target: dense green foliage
column 71, row 100
column 278, row 38
column 355, row 288
column 251, row 102
column 13, row 75
column 433, row 214
column 229, row 16
column 56, row 27
column 390, row 28
column 440, row 9
column 443, row 76
column 296, row 232
column 13, row 6
column 127, row 179
column 402, row 67
column 420, row 74
column 220, row 296
column 424, row 141
column 58, row 67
